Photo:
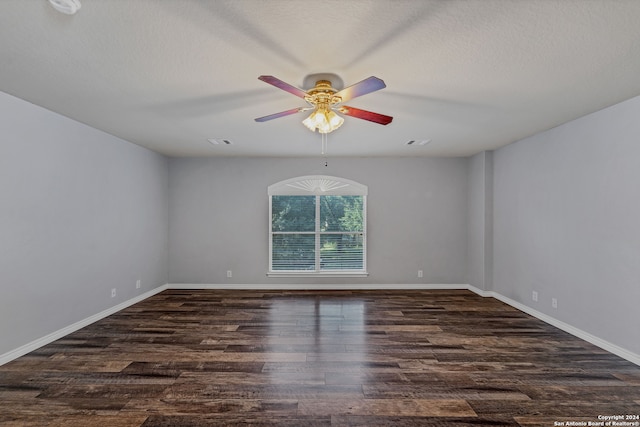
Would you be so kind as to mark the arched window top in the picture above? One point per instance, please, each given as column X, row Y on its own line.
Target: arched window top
column 318, row 185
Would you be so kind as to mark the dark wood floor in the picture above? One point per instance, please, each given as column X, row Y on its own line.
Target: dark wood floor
column 348, row 358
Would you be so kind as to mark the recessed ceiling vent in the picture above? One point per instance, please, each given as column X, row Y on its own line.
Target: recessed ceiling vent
column 220, row 141
column 418, row 142
column 68, row 7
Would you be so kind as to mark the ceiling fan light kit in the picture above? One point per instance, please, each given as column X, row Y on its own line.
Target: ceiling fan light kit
column 325, row 101
column 324, row 120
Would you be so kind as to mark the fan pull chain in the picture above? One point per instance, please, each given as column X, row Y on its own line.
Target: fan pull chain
column 324, row 143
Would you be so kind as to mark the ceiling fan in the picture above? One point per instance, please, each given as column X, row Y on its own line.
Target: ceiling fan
column 325, row 101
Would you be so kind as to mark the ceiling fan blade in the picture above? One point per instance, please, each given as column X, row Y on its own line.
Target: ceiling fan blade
column 365, row 115
column 284, row 86
column 281, row 114
column 361, row 88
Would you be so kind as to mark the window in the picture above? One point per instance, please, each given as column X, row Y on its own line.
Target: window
column 317, row 227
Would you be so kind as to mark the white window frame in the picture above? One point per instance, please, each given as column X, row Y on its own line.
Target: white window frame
column 319, row 185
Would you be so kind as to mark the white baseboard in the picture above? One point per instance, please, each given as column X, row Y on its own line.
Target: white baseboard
column 605, row 345
column 47, row 339
column 316, row 286
column 481, row 292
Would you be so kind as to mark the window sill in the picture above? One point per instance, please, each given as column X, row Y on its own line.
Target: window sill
column 317, row 274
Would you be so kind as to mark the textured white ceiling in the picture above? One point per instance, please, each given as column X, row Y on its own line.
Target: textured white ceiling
column 470, row 75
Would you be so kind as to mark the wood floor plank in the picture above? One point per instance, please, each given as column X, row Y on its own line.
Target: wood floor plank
column 316, row 358
column 386, row 407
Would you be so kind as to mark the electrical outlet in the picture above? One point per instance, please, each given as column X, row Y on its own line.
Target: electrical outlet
column 113, row 292
column 554, row 302
column 229, row 273
column 534, row 296
column 419, row 273
column 138, row 284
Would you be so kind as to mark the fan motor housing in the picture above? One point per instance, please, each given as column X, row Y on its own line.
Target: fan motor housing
column 322, row 93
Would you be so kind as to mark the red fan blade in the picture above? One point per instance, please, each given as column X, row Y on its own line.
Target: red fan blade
column 284, row 86
column 280, row 114
column 365, row 115
column 361, row 88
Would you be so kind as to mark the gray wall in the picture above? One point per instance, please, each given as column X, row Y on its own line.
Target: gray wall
column 81, row 212
column 480, row 221
column 417, row 217
column 567, row 223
